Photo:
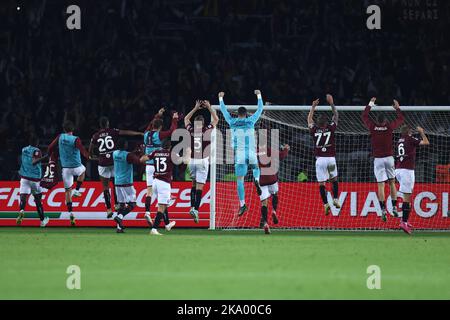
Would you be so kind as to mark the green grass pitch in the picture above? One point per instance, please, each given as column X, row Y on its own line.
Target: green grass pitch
column 203, row 264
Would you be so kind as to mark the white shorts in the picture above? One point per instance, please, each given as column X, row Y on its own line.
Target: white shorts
column 161, row 191
column 267, row 191
column 126, row 194
column 199, row 169
column 384, row 168
column 106, row 172
column 69, row 173
column 406, row 179
column 28, row 186
column 149, row 171
column 326, row 168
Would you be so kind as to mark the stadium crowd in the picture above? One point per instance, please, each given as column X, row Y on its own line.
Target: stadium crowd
column 132, row 57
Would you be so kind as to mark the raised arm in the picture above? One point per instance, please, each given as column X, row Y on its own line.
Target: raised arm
column 365, row 115
column 284, row 152
column 223, row 108
column 157, row 116
column 330, row 101
column 400, row 117
column 214, row 117
column 130, row 133
column 425, row 141
column 311, row 113
column 53, row 145
column 259, row 111
column 187, row 119
column 165, row 134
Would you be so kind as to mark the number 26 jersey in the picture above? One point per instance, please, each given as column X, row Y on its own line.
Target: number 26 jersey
column 105, row 140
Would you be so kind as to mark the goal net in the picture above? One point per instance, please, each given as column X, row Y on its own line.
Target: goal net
column 300, row 205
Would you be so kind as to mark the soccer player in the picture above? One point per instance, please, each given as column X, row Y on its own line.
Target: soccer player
column 243, row 143
column 404, row 172
column 123, row 162
column 153, row 137
column 382, row 151
column 322, row 132
column 30, row 177
column 199, row 163
column 105, row 141
column 70, row 148
column 51, row 177
column 269, row 185
column 161, row 184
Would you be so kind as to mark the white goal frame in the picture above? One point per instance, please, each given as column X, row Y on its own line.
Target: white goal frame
column 213, row 155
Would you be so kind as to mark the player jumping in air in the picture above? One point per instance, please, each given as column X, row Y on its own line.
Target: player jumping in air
column 269, row 184
column 123, row 180
column 153, row 137
column 199, row 163
column 243, row 143
column 382, row 151
column 322, row 133
column 404, row 172
column 30, row 178
column 161, row 184
column 70, row 148
column 105, row 141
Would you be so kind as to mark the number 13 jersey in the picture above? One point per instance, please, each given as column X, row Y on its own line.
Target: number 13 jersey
column 163, row 165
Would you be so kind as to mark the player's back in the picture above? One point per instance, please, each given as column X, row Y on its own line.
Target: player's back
column 243, row 133
column 68, row 152
column 163, row 165
column 152, row 142
column 27, row 169
column 105, row 140
column 381, row 138
column 406, row 152
column 123, row 170
column 200, row 140
column 324, row 140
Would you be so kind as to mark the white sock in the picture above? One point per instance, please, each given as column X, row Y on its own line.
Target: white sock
column 242, row 202
column 120, row 216
column 147, row 213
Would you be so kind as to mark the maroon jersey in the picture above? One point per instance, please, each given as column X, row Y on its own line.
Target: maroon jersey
column 200, row 141
column 381, row 136
column 324, row 145
column 267, row 180
column 163, row 165
column 51, row 177
column 105, row 140
column 406, row 152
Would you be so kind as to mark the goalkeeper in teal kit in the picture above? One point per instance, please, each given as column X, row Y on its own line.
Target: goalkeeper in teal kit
column 244, row 145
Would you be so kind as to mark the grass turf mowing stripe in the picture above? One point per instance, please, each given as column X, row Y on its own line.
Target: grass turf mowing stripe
column 13, row 215
column 204, row 264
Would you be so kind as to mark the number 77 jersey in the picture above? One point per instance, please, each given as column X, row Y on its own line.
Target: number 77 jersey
column 105, row 141
column 324, row 142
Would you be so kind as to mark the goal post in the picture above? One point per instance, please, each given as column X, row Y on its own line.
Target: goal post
column 300, row 206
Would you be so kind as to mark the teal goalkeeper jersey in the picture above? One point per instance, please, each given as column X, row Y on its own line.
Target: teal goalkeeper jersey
column 242, row 130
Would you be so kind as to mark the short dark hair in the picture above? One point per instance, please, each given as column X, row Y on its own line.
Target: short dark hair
column 121, row 144
column 68, row 126
column 322, row 119
column 157, row 123
column 380, row 118
column 103, row 122
column 404, row 129
column 242, row 111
